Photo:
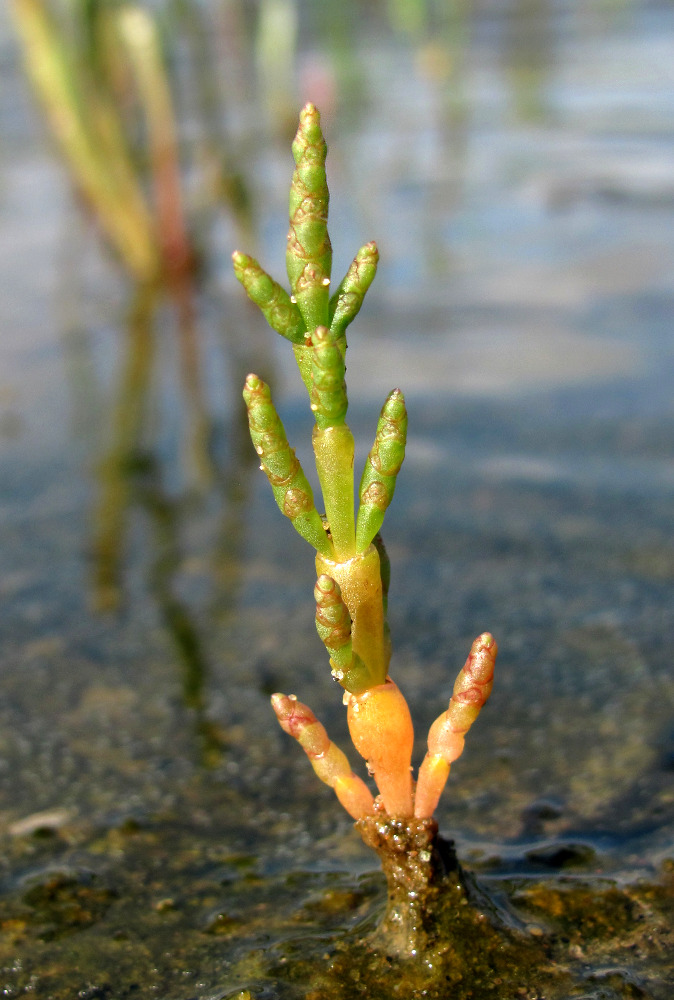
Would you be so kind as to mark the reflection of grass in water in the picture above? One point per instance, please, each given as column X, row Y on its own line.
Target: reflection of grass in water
column 130, row 478
column 127, row 423
column 179, row 620
column 130, row 452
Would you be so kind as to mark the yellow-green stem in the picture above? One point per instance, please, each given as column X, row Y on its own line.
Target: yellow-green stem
column 334, row 449
column 359, row 579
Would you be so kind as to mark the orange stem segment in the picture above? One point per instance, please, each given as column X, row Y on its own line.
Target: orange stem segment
column 447, row 734
column 327, row 760
column 381, row 730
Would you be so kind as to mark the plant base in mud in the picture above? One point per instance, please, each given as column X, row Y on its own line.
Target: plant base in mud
column 417, row 863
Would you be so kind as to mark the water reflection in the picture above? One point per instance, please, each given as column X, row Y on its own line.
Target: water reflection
column 132, row 477
column 529, row 56
column 117, row 467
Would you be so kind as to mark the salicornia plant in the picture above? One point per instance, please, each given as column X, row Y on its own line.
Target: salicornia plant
column 351, row 563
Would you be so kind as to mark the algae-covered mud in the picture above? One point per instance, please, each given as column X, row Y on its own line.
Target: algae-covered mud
column 159, row 836
column 163, row 909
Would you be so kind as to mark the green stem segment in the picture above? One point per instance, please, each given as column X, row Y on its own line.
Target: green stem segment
column 381, row 469
column 328, row 389
column 275, row 304
column 334, row 451
column 291, row 487
column 332, row 440
column 309, row 253
column 304, row 356
column 345, row 303
column 333, row 624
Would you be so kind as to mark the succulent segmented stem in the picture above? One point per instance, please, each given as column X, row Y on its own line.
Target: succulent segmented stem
column 333, row 624
column 447, row 734
column 328, row 389
column 381, row 469
column 359, row 580
column 309, row 253
column 275, row 304
column 346, row 301
column 291, row 487
column 327, row 760
column 334, row 451
column 333, row 621
column 381, row 730
column 332, row 440
column 304, row 356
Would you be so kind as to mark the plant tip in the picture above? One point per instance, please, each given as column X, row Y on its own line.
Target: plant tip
column 325, row 584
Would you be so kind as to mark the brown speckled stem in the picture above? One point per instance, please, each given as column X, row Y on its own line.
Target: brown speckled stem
column 416, row 863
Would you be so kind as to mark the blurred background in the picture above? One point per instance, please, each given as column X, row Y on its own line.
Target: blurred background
column 514, row 160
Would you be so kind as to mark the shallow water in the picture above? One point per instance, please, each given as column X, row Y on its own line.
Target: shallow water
column 160, row 836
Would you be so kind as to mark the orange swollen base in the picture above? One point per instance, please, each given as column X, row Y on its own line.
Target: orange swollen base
column 381, row 730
